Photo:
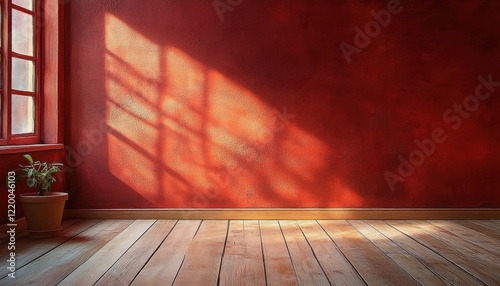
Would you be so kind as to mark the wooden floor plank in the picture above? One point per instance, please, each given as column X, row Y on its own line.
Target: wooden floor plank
column 243, row 263
column 481, row 266
column 117, row 252
column 202, row 262
column 491, row 224
column 278, row 266
column 480, row 254
column 470, row 236
column 165, row 263
column 23, row 236
column 128, row 266
column 52, row 267
column 23, row 241
column 29, row 249
column 453, row 274
column 479, row 228
column 89, row 272
column 369, row 261
column 405, row 260
column 337, row 268
column 307, row 268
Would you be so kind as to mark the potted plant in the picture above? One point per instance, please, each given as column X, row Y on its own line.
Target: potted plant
column 43, row 209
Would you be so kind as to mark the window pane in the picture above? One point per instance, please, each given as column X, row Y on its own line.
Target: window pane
column 22, row 33
column 28, row 4
column 23, row 75
column 23, row 114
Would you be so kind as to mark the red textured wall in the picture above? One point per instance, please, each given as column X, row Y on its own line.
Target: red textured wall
column 272, row 104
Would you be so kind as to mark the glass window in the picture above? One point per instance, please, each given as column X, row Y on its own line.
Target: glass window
column 22, row 33
column 19, row 88
column 23, row 114
column 27, row 4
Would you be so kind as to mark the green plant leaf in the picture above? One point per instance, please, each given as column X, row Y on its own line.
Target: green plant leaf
column 31, row 182
column 45, row 185
column 28, row 157
column 39, row 174
column 53, row 169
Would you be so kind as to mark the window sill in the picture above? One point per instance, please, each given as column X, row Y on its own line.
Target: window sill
column 13, row 149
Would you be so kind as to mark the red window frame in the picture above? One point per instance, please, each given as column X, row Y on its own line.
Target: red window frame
column 6, row 136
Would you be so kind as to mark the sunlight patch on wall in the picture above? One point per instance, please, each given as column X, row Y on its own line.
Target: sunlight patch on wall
column 133, row 167
column 178, row 127
column 138, row 55
column 132, row 72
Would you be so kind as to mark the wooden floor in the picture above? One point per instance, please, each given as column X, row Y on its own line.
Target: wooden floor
column 220, row 252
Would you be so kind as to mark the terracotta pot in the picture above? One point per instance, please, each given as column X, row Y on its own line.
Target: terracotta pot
column 43, row 213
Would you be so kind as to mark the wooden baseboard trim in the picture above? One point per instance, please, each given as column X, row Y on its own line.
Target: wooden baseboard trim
column 300, row 213
column 19, row 225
